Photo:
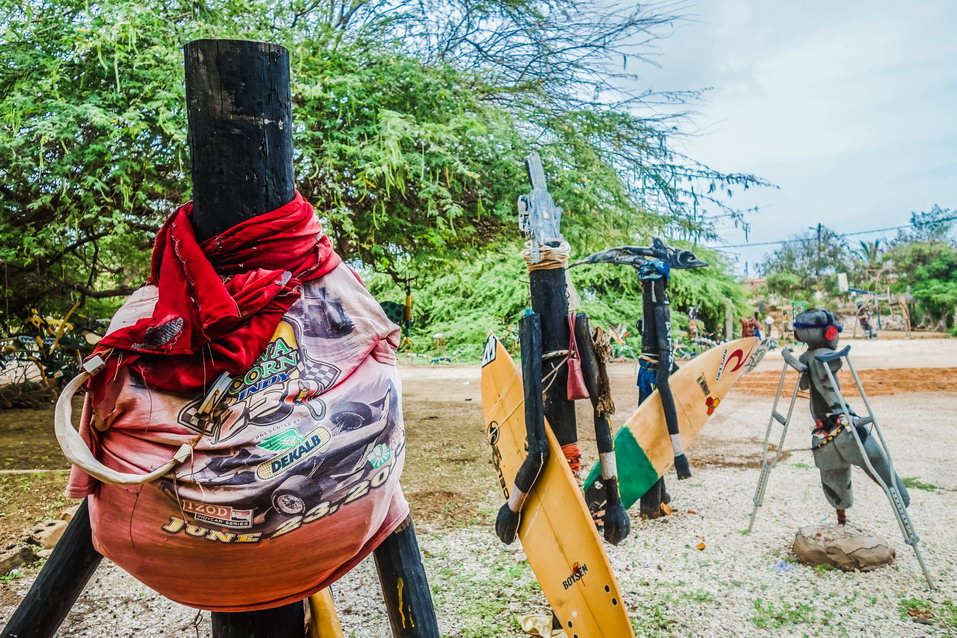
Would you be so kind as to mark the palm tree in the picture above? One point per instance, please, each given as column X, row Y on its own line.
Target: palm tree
column 871, row 254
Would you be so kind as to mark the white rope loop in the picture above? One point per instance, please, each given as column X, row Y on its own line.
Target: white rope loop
column 78, row 453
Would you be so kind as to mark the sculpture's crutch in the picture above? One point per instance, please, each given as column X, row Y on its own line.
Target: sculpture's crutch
column 891, row 491
column 789, row 362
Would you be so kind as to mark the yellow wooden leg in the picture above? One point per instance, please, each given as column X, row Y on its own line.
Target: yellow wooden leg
column 324, row 622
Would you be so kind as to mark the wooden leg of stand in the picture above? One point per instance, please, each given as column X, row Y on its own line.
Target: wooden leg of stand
column 288, row 621
column 59, row 583
column 404, row 585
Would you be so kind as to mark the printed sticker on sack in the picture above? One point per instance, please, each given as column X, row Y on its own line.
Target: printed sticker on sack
column 310, row 444
column 224, row 515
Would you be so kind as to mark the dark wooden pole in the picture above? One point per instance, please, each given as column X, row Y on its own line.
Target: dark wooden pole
column 240, row 138
column 405, row 586
column 550, row 301
column 240, row 131
column 59, row 584
column 288, row 620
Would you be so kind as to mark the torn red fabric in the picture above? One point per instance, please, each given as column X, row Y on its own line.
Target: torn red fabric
column 220, row 300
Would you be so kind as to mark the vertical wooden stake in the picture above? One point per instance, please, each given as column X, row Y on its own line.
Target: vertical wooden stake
column 240, row 138
column 239, row 108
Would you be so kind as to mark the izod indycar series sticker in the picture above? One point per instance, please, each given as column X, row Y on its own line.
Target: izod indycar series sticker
column 219, row 514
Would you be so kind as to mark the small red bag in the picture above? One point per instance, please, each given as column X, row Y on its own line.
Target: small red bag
column 576, row 380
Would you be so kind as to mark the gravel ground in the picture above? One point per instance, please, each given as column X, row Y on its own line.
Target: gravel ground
column 738, row 585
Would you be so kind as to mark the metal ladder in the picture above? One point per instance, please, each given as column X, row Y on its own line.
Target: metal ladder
column 766, row 464
column 891, row 491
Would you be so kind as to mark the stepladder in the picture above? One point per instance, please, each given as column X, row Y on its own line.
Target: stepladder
column 769, row 460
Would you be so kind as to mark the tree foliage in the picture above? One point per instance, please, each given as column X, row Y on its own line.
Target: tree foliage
column 920, row 261
column 928, row 271
column 490, row 293
column 411, row 122
column 806, row 263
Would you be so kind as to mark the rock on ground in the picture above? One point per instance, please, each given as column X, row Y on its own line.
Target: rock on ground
column 843, row 546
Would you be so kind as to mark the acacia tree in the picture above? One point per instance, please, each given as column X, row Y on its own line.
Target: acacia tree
column 411, row 120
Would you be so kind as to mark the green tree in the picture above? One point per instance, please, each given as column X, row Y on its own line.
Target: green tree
column 806, row 263
column 928, row 271
column 931, row 226
column 490, row 293
column 411, row 120
column 872, row 267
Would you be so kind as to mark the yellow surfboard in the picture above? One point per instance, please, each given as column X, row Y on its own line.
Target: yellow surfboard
column 556, row 530
column 643, row 446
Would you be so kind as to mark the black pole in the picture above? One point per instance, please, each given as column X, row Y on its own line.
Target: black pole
column 288, row 620
column 550, row 301
column 239, row 111
column 240, row 131
column 405, row 586
column 60, row 582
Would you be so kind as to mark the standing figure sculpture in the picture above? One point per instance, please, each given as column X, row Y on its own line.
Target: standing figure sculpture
column 834, row 445
column 656, row 363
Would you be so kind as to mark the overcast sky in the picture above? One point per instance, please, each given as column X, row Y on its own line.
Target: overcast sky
column 850, row 107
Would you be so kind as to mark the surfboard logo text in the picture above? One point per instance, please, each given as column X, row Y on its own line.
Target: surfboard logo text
column 577, row 572
column 724, row 358
column 703, row 383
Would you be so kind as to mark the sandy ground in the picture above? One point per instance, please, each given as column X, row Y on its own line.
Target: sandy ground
column 738, row 585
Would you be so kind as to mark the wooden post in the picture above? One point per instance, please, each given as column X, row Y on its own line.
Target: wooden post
column 239, row 112
column 59, row 584
column 550, row 301
column 404, row 585
column 240, row 131
column 240, row 137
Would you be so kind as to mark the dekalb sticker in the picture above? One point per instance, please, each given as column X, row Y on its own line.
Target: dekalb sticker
column 311, row 443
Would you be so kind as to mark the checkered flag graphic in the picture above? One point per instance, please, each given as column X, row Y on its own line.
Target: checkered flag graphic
column 324, row 374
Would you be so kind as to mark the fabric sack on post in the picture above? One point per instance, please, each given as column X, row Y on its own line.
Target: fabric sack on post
column 295, row 478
